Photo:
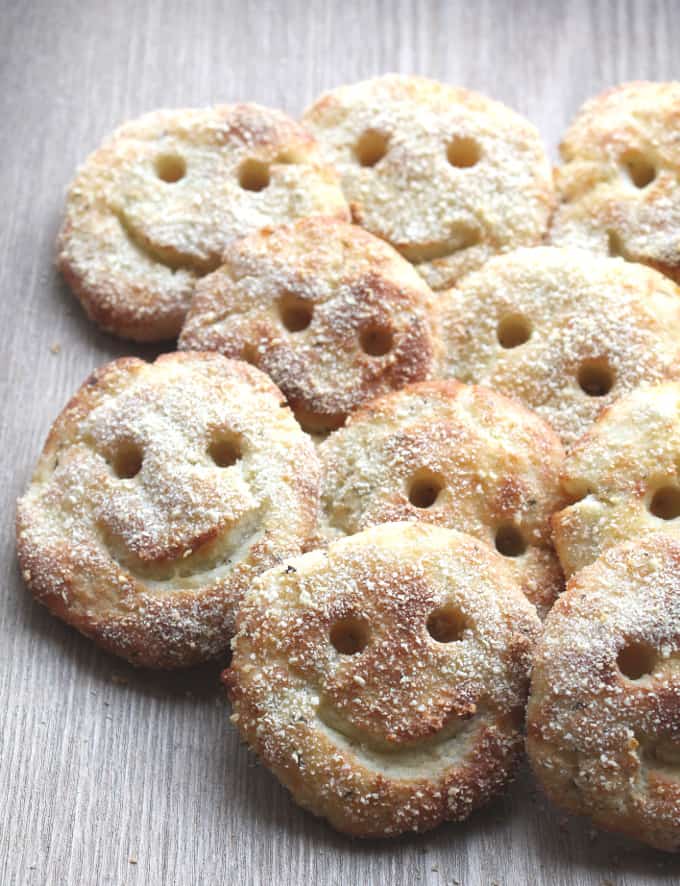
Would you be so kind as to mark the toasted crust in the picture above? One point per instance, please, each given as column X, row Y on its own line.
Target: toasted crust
column 152, row 209
column 618, row 183
column 137, row 530
column 462, row 177
column 457, row 456
column 408, row 732
column 597, row 328
column 603, row 720
column 351, row 289
column 619, row 473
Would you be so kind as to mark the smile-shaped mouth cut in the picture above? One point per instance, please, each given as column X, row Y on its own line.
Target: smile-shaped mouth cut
column 415, row 760
column 463, row 238
column 167, row 257
column 202, row 567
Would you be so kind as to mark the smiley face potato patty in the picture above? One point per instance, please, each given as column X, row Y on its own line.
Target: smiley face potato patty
column 151, row 210
column 564, row 331
column 383, row 679
column 162, row 490
column 459, row 456
column 622, row 476
column 446, row 175
column 618, row 183
column 331, row 313
column 603, row 721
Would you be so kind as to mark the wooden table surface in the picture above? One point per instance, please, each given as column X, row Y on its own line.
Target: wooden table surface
column 111, row 775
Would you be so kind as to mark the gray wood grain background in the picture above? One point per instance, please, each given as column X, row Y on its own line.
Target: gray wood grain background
column 108, row 775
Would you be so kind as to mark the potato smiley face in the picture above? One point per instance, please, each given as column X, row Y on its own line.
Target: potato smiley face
column 446, row 175
column 603, row 720
column 383, row 679
column 162, row 490
column 617, row 185
column 459, row 456
column 152, row 209
column 331, row 313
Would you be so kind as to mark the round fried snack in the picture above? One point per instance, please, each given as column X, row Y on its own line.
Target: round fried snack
column 447, row 176
column 332, row 314
column 623, row 477
column 603, row 721
column 162, row 490
column 618, row 185
column 563, row 330
column 383, row 679
column 153, row 208
column 458, row 456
